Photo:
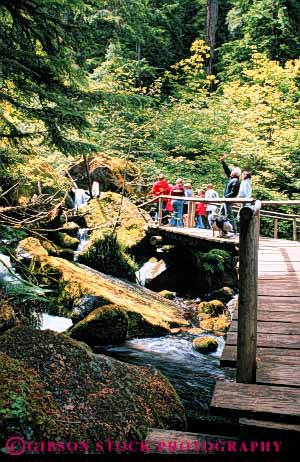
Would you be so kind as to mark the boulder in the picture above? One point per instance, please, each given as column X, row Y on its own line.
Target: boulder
column 213, row 308
column 205, row 344
column 65, row 241
column 115, row 237
column 220, row 324
column 149, row 314
column 225, row 294
column 60, row 390
column 107, row 325
column 108, row 171
column 70, row 228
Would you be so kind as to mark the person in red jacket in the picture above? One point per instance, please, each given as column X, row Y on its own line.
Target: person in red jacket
column 200, row 210
column 160, row 187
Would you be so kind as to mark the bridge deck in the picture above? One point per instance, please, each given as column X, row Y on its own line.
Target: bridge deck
column 278, row 339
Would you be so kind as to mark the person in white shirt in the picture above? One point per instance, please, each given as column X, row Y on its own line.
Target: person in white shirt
column 210, row 194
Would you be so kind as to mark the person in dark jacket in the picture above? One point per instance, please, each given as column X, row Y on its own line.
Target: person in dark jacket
column 231, row 190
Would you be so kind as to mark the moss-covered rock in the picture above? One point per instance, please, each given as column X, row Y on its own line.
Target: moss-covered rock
column 219, row 324
column 7, row 316
column 70, row 228
column 213, row 308
column 224, row 294
column 65, row 241
column 108, row 251
column 107, row 325
column 25, row 401
column 148, row 313
column 205, row 344
column 108, row 171
column 167, row 294
column 76, row 395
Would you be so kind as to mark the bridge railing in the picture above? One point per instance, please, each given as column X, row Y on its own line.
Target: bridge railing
column 275, row 216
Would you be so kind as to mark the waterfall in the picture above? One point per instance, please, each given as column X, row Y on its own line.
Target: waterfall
column 83, row 236
column 149, row 271
column 6, row 270
column 81, row 198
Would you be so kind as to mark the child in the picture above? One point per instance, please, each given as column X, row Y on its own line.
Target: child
column 200, row 210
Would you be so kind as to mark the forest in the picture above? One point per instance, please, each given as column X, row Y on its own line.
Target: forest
column 118, row 92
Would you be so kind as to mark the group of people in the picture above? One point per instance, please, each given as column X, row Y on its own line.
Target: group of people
column 175, row 211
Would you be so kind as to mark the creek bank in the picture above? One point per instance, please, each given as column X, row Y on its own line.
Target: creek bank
column 57, row 380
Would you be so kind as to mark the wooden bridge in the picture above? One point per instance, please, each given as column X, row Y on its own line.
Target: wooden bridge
column 264, row 339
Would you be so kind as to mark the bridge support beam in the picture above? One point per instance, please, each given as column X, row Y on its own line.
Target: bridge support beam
column 248, row 278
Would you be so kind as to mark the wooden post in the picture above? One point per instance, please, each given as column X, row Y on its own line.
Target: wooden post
column 247, row 306
column 276, row 228
column 160, row 206
column 188, row 223
column 294, row 229
column 193, row 214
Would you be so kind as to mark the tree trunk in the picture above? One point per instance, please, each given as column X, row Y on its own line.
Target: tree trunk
column 211, row 30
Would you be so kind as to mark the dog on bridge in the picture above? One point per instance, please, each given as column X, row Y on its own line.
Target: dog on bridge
column 220, row 223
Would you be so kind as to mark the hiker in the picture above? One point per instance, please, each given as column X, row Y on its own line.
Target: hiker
column 210, row 194
column 200, row 210
column 245, row 186
column 159, row 188
column 188, row 192
column 177, row 190
column 231, row 189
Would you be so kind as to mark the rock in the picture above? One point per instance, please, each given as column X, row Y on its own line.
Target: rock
column 107, row 325
column 65, row 241
column 224, row 295
column 62, row 390
column 7, row 316
column 167, row 294
column 70, row 228
column 31, row 248
column 149, row 314
column 213, row 308
column 220, row 324
column 110, row 252
column 108, row 171
column 205, row 344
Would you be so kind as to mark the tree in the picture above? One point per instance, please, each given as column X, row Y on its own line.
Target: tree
column 211, row 29
column 271, row 25
column 44, row 91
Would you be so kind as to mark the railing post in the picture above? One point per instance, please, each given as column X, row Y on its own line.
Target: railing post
column 160, row 205
column 247, row 305
column 190, row 206
column 294, row 229
column 276, row 228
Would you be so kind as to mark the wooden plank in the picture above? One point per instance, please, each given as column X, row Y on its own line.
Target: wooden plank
column 272, row 327
column 270, row 340
column 278, row 374
column 251, row 424
column 257, row 401
column 175, row 442
column 229, row 355
column 266, row 315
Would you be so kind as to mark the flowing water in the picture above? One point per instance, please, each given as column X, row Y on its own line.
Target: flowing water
column 83, row 236
column 55, row 323
column 81, row 196
column 192, row 374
